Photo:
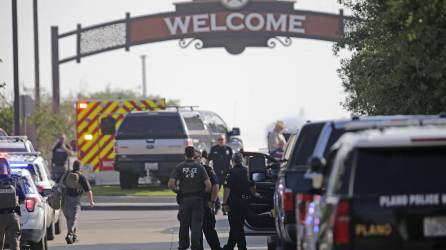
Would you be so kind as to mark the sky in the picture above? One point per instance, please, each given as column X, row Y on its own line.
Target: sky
column 250, row 91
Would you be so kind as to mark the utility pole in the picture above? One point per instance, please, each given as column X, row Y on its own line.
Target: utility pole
column 36, row 55
column 15, row 54
column 144, row 86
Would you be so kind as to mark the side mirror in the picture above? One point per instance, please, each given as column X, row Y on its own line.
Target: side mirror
column 234, row 132
column 258, row 177
column 317, row 164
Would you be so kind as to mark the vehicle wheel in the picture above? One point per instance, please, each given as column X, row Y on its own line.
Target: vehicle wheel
column 51, row 232
column 272, row 242
column 41, row 245
column 287, row 246
column 57, row 227
column 124, row 180
column 134, row 178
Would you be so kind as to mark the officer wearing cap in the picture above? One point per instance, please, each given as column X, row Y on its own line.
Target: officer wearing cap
column 209, row 205
column 237, row 196
column 191, row 177
column 11, row 194
column 220, row 156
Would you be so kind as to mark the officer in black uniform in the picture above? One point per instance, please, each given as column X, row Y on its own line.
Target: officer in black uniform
column 60, row 153
column 191, row 177
column 210, row 199
column 10, row 196
column 220, row 156
column 237, row 196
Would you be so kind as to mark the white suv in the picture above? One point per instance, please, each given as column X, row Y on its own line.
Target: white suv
column 15, row 144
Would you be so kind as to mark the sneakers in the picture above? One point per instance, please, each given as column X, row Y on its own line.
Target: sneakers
column 71, row 239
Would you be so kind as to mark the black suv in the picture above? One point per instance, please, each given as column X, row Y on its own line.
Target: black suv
column 309, row 149
column 385, row 191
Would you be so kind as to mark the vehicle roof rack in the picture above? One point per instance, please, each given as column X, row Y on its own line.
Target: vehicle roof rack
column 16, row 138
column 182, row 107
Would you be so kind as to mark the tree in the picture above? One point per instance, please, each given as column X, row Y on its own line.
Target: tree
column 398, row 65
column 6, row 118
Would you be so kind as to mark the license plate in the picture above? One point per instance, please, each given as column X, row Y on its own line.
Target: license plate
column 434, row 226
column 151, row 166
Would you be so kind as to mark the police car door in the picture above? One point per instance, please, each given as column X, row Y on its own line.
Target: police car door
column 260, row 220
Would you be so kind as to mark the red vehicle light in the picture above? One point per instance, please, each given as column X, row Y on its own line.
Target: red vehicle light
column 83, row 105
column 188, row 142
column 30, row 204
column 341, row 234
column 287, row 201
column 302, row 201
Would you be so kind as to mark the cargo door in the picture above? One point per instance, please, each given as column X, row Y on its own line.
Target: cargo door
column 399, row 198
column 151, row 133
column 106, row 140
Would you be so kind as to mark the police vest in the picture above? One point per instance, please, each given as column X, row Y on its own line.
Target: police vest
column 8, row 195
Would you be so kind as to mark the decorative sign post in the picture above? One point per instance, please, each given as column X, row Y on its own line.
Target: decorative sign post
column 230, row 24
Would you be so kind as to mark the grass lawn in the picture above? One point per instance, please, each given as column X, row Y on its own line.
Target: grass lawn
column 140, row 191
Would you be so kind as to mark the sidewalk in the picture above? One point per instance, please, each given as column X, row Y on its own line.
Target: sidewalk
column 131, row 203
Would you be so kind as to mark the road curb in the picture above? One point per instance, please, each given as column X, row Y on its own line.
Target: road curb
column 131, row 207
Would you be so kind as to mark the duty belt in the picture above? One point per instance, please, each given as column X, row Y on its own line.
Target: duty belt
column 196, row 194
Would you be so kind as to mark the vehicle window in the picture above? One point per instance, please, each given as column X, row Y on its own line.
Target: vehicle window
column 151, row 126
column 28, row 185
column 305, row 144
column 334, row 136
column 12, row 147
column 220, row 125
column 290, row 146
column 193, row 122
column 39, row 173
column 400, row 170
column 339, row 174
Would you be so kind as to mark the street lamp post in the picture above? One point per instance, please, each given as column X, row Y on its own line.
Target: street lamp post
column 36, row 54
column 15, row 54
column 144, row 80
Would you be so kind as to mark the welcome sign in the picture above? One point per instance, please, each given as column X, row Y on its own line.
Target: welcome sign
column 219, row 24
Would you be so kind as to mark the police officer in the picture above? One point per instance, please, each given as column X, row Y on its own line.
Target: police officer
column 210, row 199
column 60, row 153
column 191, row 177
column 220, row 156
column 11, row 194
column 73, row 188
column 237, row 195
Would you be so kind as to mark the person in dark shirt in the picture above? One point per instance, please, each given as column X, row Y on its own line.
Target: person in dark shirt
column 71, row 204
column 237, row 196
column 191, row 177
column 220, row 156
column 9, row 207
column 60, row 153
column 209, row 205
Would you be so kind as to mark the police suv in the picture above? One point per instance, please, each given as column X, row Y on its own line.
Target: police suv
column 386, row 190
column 153, row 141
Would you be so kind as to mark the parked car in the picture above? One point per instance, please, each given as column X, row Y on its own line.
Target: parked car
column 385, row 191
column 38, row 168
column 33, row 213
column 310, row 148
column 15, row 144
column 153, row 142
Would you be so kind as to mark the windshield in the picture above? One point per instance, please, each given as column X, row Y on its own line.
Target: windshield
column 155, row 126
column 400, row 170
column 12, row 147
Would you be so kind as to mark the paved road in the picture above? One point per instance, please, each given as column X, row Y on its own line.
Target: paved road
column 136, row 230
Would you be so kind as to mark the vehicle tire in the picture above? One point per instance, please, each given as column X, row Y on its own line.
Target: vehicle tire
column 287, row 246
column 124, row 178
column 272, row 242
column 134, row 178
column 51, row 232
column 57, row 227
column 41, row 245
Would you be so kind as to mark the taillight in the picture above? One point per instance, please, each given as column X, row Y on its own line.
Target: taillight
column 30, row 204
column 188, row 142
column 302, row 201
column 341, row 234
column 287, row 200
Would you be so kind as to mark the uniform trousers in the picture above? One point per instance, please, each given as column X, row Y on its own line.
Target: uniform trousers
column 71, row 208
column 209, row 230
column 191, row 216
column 236, row 216
column 10, row 227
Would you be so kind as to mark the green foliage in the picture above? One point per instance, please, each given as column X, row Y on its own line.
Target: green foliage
column 398, row 64
column 6, row 118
